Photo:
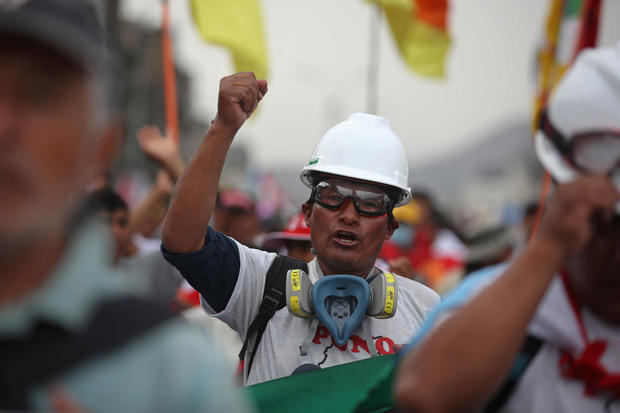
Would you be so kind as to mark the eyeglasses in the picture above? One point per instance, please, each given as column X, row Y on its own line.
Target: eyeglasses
column 332, row 195
column 591, row 152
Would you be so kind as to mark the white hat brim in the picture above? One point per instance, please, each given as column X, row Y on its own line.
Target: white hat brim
column 552, row 160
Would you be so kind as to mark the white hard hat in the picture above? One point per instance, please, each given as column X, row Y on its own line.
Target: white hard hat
column 363, row 147
column 587, row 99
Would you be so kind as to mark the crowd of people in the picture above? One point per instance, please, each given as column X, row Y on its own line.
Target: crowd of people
column 110, row 307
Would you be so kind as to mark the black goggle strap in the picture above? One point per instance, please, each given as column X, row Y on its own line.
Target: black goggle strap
column 311, row 199
column 558, row 140
column 390, row 208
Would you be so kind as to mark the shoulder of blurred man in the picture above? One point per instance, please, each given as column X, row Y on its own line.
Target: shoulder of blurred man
column 471, row 286
column 157, row 279
column 171, row 367
column 556, row 328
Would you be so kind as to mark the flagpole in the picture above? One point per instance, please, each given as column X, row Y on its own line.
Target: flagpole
column 372, row 80
column 588, row 36
column 170, row 85
column 588, row 33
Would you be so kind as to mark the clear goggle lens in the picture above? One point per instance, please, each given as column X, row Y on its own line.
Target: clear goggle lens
column 367, row 201
column 597, row 153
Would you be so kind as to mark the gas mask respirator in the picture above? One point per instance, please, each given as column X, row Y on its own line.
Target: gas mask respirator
column 340, row 303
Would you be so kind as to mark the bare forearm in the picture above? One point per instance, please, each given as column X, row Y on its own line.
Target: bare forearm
column 194, row 197
column 462, row 362
column 140, row 213
column 459, row 366
column 175, row 166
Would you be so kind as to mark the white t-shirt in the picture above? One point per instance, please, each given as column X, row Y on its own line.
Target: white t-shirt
column 278, row 353
column 541, row 388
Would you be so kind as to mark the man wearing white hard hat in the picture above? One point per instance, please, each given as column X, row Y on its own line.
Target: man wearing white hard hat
column 542, row 333
column 335, row 309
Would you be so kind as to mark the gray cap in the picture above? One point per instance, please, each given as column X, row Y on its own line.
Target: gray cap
column 71, row 27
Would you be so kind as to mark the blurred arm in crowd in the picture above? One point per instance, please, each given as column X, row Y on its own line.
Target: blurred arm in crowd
column 463, row 361
column 146, row 216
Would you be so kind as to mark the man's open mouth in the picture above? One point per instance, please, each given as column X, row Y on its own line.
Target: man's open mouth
column 346, row 237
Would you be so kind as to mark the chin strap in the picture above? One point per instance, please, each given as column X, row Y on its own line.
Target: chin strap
column 587, row 366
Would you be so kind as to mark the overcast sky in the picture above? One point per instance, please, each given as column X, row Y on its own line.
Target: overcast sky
column 318, row 60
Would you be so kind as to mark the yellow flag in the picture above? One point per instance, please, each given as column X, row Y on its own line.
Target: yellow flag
column 561, row 44
column 237, row 25
column 419, row 29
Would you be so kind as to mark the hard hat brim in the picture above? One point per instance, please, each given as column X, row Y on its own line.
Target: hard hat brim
column 374, row 179
column 552, row 160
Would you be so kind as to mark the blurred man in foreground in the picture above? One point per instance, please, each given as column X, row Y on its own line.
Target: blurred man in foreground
column 543, row 333
column 71, row 336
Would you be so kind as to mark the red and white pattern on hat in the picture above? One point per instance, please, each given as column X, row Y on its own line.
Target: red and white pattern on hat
column 296, row 230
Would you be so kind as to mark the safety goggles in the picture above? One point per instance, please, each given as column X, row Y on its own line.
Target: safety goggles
column 590, row 152
column 367, row 200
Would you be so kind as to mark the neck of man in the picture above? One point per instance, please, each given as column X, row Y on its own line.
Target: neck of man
column 26, row 267
column 329, row 270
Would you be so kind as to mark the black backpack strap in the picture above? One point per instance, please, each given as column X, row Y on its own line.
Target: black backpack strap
column 274, row 298
column 528, row 351
column 50, row 350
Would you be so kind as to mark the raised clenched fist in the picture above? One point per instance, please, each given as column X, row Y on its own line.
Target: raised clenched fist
column 239, row 95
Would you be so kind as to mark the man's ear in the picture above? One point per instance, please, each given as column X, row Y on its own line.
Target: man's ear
column 392, row 226
column 306, row 209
